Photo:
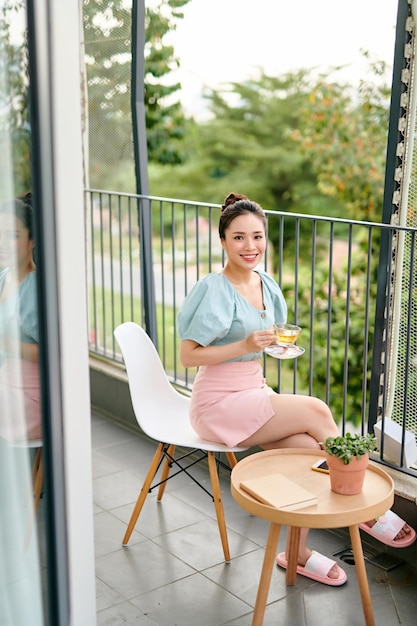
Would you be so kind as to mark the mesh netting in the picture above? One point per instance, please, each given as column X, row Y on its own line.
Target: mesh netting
column 107, row 41
column 402, row 342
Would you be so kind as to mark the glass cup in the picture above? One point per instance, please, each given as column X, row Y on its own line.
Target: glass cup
column 286, row 334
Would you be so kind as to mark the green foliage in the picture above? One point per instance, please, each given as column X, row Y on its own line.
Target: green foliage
column 14, row 104
column 348, row 446
column 249, row 140
column 343, row 319
column 248, row 146
column 165, row 121
column 107, row 32
column 343, row 134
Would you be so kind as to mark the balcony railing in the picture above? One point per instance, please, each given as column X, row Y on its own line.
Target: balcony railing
column 328, row 270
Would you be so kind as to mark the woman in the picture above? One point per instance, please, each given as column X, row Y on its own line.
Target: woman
column 19, row 337
column 224, row 325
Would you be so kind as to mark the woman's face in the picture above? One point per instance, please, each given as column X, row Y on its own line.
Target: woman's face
column 245, row 241
column 15, row 245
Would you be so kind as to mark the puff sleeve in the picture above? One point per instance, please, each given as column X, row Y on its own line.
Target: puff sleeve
column 207, row 312
column 28, row 312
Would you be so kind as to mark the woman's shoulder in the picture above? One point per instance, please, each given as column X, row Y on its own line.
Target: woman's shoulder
column 206, row 311
column 209, row 289
column 27, row 288
column 29, row 280
column 214, row 281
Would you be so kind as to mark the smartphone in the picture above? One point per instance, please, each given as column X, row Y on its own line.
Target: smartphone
column 320, row 466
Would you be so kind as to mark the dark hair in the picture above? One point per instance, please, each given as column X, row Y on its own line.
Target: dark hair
column 236, row 204
column 22, row 209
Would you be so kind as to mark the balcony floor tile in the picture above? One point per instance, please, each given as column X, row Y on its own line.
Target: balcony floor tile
column 173, row 573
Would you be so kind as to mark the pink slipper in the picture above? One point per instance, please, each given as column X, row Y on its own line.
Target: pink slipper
column 317, row 567
column 387, row 527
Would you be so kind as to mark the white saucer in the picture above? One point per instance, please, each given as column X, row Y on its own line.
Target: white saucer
column 278, row 352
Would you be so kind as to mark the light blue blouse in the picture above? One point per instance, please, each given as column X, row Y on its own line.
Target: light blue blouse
column 19, row 313
column 214, row 313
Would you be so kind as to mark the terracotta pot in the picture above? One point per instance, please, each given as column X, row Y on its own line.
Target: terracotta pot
column 347, row 479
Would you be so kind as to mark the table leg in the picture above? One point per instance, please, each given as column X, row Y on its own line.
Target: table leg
column 361, row 573
column 293, row 544
column 265, row 580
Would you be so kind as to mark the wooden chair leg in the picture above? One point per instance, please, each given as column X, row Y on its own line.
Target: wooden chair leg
column 165, row 472
column 218, row 504
column 144, row 492
column 37, row 477
column 37, row 484
column 231, row 457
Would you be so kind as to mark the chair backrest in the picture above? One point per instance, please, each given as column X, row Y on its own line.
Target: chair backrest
column 153, row 396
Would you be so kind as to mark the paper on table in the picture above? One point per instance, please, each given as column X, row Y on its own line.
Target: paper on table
column 279, row 491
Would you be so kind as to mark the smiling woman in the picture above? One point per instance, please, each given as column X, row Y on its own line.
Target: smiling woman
column 19, row 335
column 225, row 324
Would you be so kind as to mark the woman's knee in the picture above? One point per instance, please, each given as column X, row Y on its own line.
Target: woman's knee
column 322, row 412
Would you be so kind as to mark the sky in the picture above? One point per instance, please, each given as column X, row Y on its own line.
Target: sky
column 221, row 41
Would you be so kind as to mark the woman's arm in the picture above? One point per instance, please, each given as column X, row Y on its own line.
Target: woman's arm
column 19, row 349
column 29, row 351
column 192, row 354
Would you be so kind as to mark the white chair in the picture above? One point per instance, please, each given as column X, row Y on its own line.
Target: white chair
column 163, row 414
column 37, row 467
column 37, row 479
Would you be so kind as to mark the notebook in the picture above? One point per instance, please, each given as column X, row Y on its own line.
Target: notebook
column 279, row 491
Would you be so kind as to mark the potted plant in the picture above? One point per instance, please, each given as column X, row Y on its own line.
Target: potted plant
column 348, row 458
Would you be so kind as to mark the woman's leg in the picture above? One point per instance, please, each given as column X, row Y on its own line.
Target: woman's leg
column 304, row 553
column 298, row 422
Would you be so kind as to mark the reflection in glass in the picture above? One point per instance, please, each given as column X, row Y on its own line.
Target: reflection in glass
column 21, row 588
column 19, row 371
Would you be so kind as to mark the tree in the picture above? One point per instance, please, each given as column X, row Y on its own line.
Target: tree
column 249, row 139
column 343, row 133
column 248, row 147
column 165, row 121
column 331, row 328
column 247, row 144
column 14, row 104
column 107, row 29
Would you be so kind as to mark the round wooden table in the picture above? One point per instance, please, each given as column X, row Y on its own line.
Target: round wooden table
column 331, row 511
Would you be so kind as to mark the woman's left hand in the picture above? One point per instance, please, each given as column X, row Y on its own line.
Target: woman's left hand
column 260, row 339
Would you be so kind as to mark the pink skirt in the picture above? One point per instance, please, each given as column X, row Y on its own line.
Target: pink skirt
column 20, row 417
column 230, row 402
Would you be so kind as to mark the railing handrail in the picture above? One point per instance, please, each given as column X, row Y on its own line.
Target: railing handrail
column 307, row 216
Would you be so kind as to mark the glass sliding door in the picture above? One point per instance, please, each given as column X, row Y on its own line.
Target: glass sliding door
column 23, row 580
column 46, row 513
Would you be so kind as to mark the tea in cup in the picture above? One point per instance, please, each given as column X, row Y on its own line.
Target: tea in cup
column 286, row 334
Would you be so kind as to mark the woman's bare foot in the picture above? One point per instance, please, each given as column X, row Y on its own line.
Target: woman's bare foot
column 405, row 530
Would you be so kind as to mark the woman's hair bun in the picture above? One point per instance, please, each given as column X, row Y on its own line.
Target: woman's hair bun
column 232, row 198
